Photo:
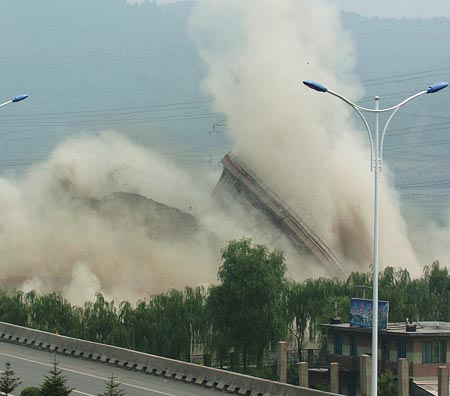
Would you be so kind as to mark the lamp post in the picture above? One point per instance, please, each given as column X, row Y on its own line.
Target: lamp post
column 14, row 100
column 376, row 157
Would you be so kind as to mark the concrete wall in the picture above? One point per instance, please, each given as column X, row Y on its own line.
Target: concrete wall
column 188, row 372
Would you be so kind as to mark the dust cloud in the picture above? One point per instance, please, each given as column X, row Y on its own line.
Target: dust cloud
column 63, row 227
column 105, row 215
column 302, row 143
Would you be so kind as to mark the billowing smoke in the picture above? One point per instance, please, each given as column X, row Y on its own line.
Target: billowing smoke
column 102, row 214
column 302, row 143
column 64, row 227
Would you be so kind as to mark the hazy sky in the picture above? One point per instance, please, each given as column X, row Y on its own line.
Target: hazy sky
column 398, row 8
column 383, row 8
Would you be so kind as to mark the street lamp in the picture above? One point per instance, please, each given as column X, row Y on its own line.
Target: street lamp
column 16, row 99
column 376, row 156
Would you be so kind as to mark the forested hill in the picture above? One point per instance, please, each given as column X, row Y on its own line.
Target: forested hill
column 395, row 59
column 85, row 63
column 108, row 46
column 98, row 58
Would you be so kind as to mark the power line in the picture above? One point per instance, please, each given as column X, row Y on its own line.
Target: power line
column 401, row 80
column 148, row 108
column 405, row 75
column 111, row 56
column 419, row 144
column 394, row 29
column 427, row 184
column 123, row 121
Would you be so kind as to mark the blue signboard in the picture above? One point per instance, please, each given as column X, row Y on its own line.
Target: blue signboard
column 361, row 313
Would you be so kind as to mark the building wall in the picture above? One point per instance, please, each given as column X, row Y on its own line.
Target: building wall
column 427, row 370
column 364, row 343
column 388, row 358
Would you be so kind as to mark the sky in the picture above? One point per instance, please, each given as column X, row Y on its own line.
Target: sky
column 382, row 8
column 398, row 8
column 157, row 73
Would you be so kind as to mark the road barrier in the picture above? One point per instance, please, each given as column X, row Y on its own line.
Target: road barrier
column 151, row 364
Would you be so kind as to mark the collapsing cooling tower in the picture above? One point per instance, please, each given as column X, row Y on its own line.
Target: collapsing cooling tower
column 243, row 184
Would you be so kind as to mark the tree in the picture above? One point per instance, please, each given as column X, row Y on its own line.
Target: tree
column 52, row 312
column 438, row 280
column 100, row 319
column 170, row 325
column 393, row 286
column 246, row 308
column 12, row 308
column 30, row 391
column 7, row 380
column 112, row 388
column 387, row 384
column 303, row 304
column 55, row 383
column 197, row 318
column 311, row 303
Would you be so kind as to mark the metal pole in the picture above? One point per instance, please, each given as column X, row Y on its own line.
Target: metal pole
column 375, row 254
column 376, row 159
column 6, row 103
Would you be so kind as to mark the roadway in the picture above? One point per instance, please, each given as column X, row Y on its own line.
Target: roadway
column 88, row 377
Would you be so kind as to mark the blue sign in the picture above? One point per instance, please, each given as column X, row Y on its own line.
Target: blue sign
column 361, row 313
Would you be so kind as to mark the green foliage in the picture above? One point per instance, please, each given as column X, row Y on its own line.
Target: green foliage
column 112, row 388
column 292, row 373
column 8, row 381
column 245, row 307
column 55, row 383
column 438, row 280
column 13, row 308
column 99, row 319
column 240, row 319
column 30, row 391
column 311, row 303
column 268, row 372
column 324, row 387
column 387, row 384
column 52, row 312
column 169, row 323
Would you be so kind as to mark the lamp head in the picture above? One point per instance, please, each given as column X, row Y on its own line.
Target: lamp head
column 437, row 87
column 18, row 98
column 315, row 85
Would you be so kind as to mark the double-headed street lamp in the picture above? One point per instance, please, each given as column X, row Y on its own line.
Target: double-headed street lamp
column 376, row 156
column 14, row 100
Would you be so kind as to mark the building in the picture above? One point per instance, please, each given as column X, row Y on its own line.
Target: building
column 426, row 346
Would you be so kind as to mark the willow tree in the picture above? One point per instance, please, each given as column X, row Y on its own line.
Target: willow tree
column 246, row 308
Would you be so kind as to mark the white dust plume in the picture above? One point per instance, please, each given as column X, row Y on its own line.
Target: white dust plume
column 302, row 143
column 65, row 228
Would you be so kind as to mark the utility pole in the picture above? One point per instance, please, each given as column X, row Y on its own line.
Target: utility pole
column 364, row 288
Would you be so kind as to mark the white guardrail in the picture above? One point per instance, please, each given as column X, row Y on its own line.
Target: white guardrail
column 192, row 373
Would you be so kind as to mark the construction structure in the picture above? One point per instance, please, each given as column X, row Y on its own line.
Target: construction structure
column 238, row 178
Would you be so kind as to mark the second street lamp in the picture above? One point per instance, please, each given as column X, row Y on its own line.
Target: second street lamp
column 376, row 158
column 16, row 99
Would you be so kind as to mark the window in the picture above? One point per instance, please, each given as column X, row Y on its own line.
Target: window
column 353, row 345
column 401, row 348
column 337, row 344
column 434, row 352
